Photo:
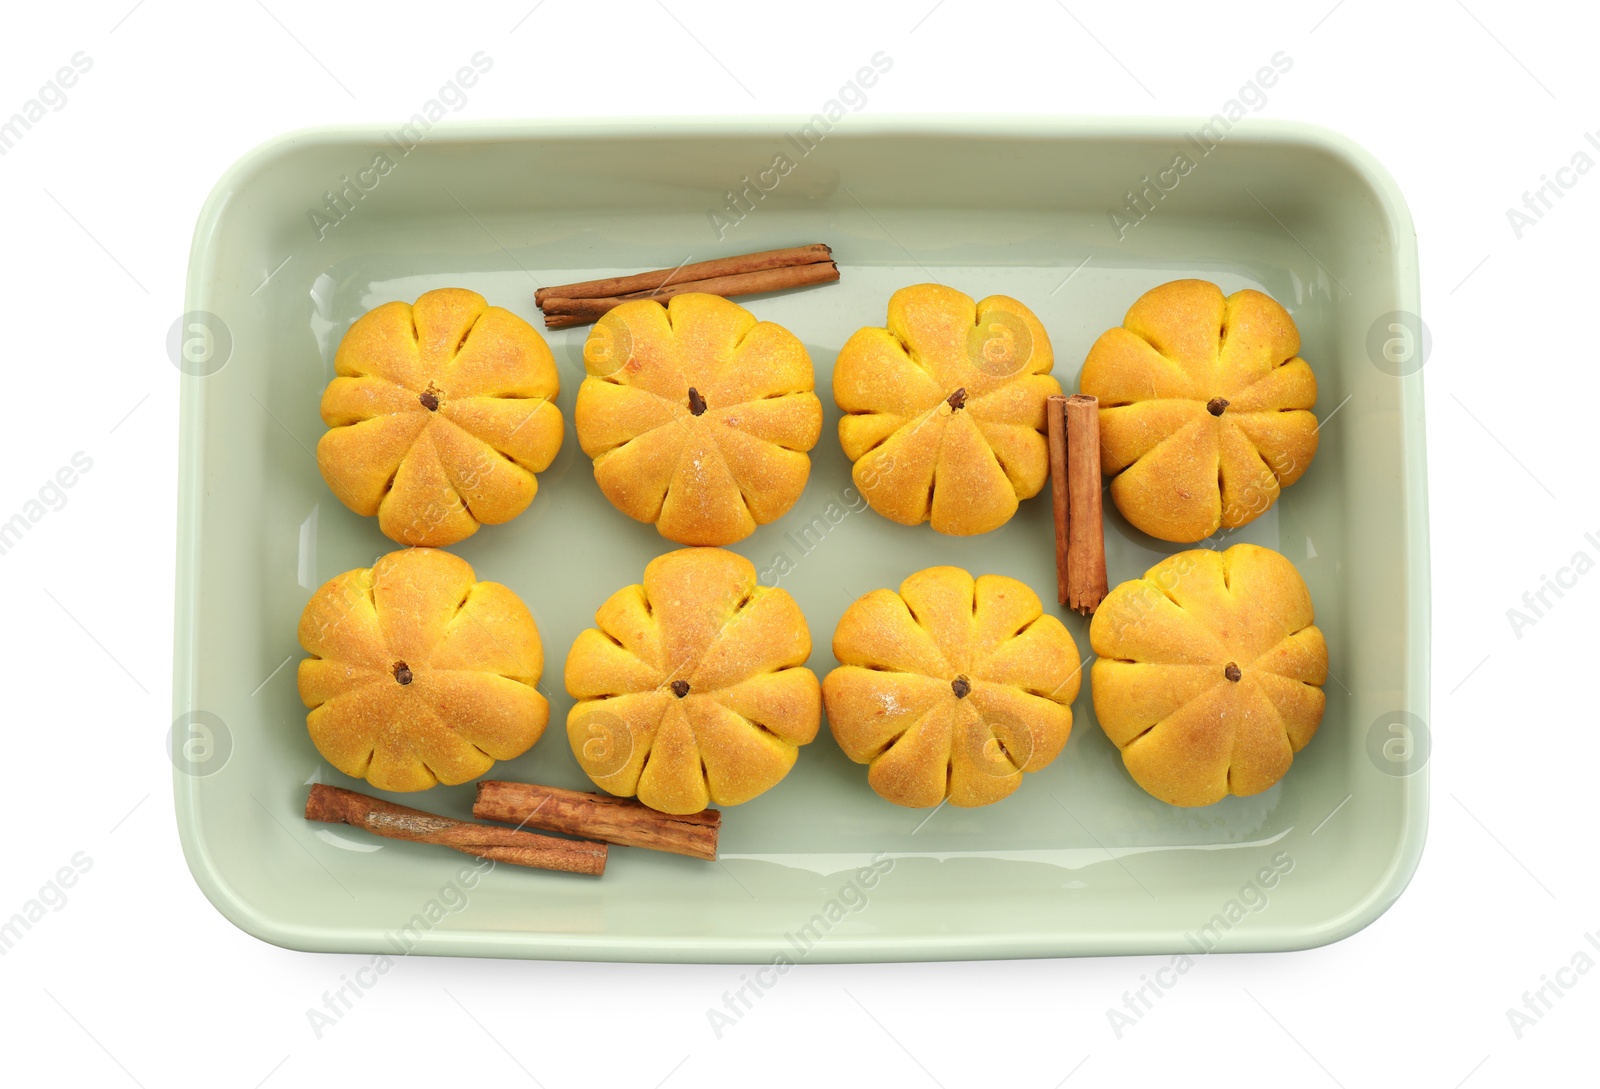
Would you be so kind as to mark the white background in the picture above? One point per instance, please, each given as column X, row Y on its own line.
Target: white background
column 138, row 979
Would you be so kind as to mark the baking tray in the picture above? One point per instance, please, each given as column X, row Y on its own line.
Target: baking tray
column 1074, row 217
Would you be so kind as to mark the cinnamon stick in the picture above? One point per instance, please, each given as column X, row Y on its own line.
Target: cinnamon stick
column 336, row 805
column 561, row 311
column 1086, row 533
column 616, row 820
column 1055, row 416
column 616, row 286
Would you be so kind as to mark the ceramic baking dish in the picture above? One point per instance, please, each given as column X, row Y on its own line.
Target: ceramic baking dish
column 1074, row 217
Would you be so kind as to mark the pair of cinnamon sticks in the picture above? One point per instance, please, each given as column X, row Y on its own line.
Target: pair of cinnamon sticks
column 744, row 274
column 1073, row 432
column 600, row 820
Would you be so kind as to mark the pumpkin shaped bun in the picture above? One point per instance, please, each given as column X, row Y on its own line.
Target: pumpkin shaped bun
column 419, row 674
column 951, row 688
column 439, row 416
column 697, row 416
column 1204, row 408
column 1209, row 676
column 692, row 690
column 944, row 409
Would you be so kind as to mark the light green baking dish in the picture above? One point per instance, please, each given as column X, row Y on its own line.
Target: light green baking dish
column 1074, row 217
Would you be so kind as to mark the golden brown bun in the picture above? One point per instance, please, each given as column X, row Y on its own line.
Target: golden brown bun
column 1181, row 472
column 706, row 478
column 951, row 688
column 1191, row 729
column 692, row 691
column 468, row 655
column 432, row 475
column 919, row 458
